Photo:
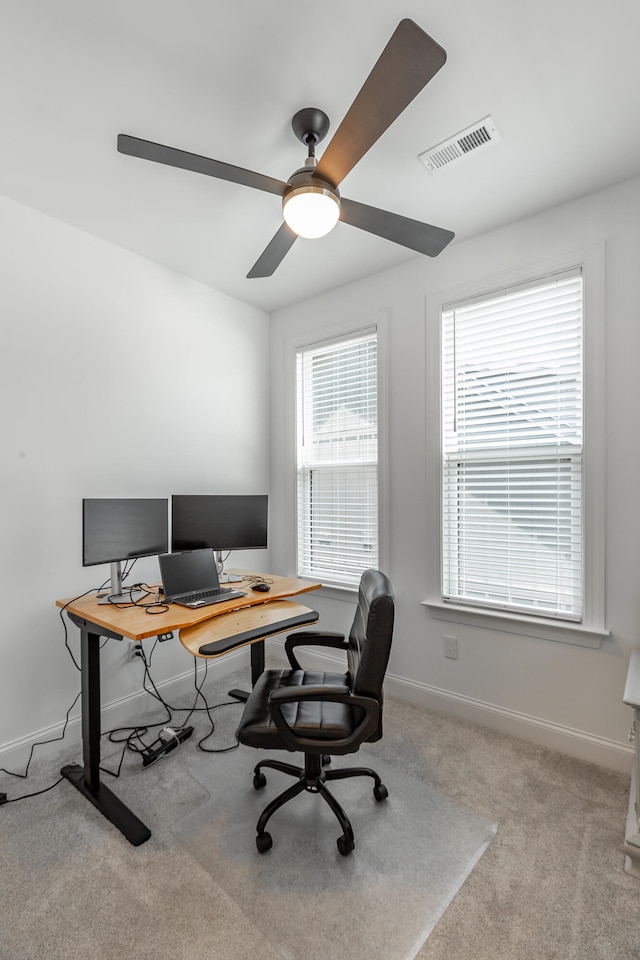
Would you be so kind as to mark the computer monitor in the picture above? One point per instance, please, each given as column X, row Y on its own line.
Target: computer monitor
column 116, row 530
column 221, row 522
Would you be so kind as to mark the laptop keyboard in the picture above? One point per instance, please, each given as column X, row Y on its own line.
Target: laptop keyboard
column 205, row 594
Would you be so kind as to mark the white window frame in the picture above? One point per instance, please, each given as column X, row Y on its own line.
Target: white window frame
column 334, row 333
column 591, row 629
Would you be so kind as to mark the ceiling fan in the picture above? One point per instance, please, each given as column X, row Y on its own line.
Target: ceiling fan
column 407, row 63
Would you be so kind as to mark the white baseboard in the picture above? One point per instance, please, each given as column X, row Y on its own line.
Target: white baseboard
column 576, row 743
column 119, row 713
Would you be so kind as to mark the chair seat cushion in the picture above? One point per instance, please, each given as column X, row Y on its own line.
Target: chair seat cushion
column 321, row 720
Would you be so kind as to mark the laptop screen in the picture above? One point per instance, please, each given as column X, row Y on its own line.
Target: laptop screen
column 188, row 572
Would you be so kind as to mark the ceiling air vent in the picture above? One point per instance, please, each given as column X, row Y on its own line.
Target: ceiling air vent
column 456, row 148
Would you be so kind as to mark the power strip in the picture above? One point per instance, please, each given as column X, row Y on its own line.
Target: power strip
column 161, row 746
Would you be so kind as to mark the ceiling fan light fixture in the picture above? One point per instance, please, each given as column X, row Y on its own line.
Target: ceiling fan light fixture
column 311, row 201
column 311, row 211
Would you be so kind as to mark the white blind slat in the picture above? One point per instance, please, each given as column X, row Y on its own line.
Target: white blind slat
column 512, row 416
column 337, row 457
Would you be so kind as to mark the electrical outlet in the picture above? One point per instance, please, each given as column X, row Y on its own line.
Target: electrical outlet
column 135, row 650
column 451, row 647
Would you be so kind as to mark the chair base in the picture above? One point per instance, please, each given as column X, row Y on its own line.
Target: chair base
column 312, row 778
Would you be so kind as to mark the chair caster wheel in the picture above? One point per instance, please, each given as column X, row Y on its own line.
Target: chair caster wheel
column 345, row 846
column 264, row 842
column 259, row 781
column 380, row 792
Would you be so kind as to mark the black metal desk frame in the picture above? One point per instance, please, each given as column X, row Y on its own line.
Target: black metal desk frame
column 86, row 777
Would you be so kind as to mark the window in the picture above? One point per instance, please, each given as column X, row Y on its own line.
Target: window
column 516, row 452
column 512, row 454
column 337, row 458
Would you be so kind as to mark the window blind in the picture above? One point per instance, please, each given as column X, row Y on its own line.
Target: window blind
column 337, row 458
column 512, row 476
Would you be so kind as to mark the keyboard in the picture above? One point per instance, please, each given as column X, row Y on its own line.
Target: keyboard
column 205, row 594
column 204, row 598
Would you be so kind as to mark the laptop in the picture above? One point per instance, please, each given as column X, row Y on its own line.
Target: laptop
column 191, row 579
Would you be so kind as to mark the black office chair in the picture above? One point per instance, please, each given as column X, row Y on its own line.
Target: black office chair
column 324, row 714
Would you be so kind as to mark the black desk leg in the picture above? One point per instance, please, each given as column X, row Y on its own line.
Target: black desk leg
column 86, row 778
column 257, row 667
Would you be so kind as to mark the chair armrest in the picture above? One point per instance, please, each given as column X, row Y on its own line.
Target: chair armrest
column 312, row 638
column 327, row 694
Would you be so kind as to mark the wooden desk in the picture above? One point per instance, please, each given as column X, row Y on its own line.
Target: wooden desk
column 97, row 620
column 133, row 621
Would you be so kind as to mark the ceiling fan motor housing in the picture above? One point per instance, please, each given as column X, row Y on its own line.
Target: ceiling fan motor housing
column 304, row 179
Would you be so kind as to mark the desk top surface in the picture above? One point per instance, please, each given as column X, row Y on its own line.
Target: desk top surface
column 135, row 623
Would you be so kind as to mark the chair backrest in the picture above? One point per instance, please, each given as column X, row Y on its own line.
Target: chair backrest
column 370, row 638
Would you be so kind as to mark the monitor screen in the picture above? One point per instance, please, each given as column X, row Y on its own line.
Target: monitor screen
column 219, row 522
column 120, row 529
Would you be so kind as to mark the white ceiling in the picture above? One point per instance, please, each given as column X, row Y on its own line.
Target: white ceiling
column 222, row 78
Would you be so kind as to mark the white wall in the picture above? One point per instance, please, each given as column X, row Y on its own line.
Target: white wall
column 103, row 353
column 554, row 693
column 103, row 356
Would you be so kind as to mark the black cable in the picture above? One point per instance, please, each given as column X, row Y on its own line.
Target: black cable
column 42, row 743
column 128, row 741
column 138, row 731
column 39, row 743
column 36, row 793
column 256, row 578
column 208, row 709
column 64, row 624
column 234, row 746
column 135, row 732
column 155, row 693
column 127, row 604
column 155, row 607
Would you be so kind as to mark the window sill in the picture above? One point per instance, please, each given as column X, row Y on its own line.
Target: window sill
column 538, row 627
column 334, row 591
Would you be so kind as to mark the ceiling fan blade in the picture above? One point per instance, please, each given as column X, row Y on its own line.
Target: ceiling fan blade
column 147, row 150
column 274, row 253
column 405, row 66
column 414, row 234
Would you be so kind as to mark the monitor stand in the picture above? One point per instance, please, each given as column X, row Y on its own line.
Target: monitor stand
column 119, row 595
column 222, row 576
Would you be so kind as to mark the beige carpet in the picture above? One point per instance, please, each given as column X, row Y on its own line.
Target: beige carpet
column 550, row 886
